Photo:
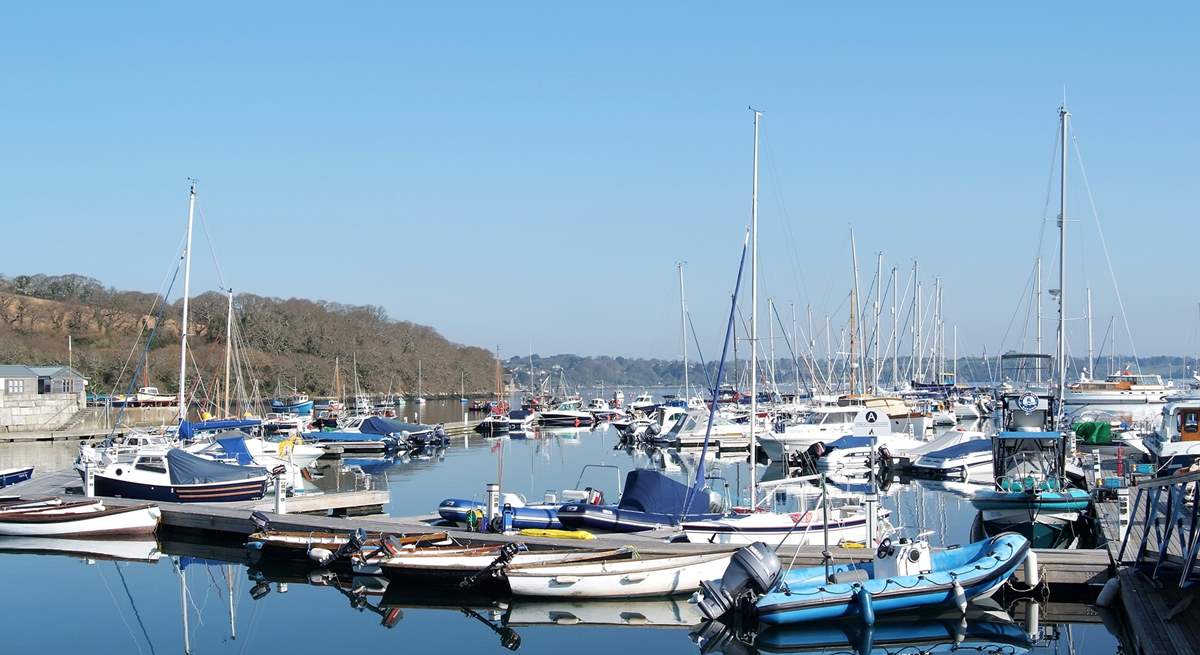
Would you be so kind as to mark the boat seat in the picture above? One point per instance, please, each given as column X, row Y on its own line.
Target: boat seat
column 849, row 577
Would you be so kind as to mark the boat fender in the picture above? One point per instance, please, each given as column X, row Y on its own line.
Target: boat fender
column 960, row 597
column 1032, row 577
column 1109, row 592
column 321, row 556
column 865, row 607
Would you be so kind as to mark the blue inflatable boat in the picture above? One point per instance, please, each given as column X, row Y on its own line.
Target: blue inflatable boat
column 455, row 510
column 904, row 576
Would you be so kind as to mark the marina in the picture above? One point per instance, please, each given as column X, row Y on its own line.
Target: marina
column 677, row 329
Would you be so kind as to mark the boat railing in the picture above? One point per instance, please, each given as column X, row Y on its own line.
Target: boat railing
column 1182, row 522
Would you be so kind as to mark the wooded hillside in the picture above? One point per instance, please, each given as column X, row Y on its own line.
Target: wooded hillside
column 295, row 340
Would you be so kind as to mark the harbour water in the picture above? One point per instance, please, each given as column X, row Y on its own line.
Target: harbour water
column 229, row 607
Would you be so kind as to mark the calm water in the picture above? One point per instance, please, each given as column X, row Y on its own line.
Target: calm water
column 112, row 606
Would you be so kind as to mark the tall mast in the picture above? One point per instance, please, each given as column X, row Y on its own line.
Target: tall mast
column 1064, row 116
column 687, row 390
column 754, row 320
column 187, row 286
column 228, row 348
column 1037, row 334
column 771, row 342
column 939, row 330
column 828, row 355
column 796, row 345
column 918, row 345
column 878, row 302
column 854, row 354
column 956, row 354
column 895, row 330
column 1090, row 363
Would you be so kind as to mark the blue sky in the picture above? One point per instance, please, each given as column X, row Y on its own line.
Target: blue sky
column 558, row 159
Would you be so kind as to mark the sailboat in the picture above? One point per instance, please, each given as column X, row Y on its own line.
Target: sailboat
column 420, row 391
column 1033, row 494
column 751, row 524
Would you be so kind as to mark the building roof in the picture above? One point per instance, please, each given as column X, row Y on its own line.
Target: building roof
column 16, row 371
column 22, row 371
column 55, row 371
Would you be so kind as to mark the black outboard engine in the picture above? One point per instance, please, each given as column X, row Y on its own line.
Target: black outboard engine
column 753, row 569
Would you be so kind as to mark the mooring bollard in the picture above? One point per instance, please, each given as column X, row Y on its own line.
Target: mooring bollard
column 493, row 500
column 280, row 494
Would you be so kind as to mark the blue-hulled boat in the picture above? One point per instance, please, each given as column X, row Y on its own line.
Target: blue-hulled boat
column 541, row 516
column 414, row 435
column 296, row 403
column 903, row 577
column 650, row 500
column 15, row 475
column 984, row 630
column 178, row 476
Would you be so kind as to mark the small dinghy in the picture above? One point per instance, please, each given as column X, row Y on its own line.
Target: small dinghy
column 519, row 516
column 905, row 576
column 473, row 567
column 616, row 578
column 79, row 519
column 15, row 475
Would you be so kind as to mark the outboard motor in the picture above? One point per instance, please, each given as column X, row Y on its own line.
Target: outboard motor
column 753, row 569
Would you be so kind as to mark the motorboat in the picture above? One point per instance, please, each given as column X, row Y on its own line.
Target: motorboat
column 1175, row 444
column 650, row 500
column 1130, row 395
column 644, row 402
column 177, row 476
column 968, row 460
column 870, row 442
column 822, row 424
column 568, row 414
column 904, row 576
column 600, row 409
column 79, row 519
column 152, row 396
column 493, row 425
column 14, row 475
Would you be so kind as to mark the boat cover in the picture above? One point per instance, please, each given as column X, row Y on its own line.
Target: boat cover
column 235, row 446
column 342, row 436
column 187, row 468
column 850, row 441
column 188, row 429
column 380, row 425
column 654, row 492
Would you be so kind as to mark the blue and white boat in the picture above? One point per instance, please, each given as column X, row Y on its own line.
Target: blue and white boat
column 521, row 515
column 968, row 460
column 413, row 435
column 650, row 500
column 294, row 403
column 905, row 576
column 177, row 476
column 15, row 475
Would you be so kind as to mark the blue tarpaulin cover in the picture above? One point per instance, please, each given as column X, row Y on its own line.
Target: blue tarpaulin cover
column 380, row 425
column 235, row 446
column 654, row 492
column 186, row 468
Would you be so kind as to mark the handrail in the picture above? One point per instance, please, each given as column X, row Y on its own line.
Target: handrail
column 1167, row 481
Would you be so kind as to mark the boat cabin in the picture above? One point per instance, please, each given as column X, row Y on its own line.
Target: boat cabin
column 1176, row 442
column 1029, row 461
column 1028, row 410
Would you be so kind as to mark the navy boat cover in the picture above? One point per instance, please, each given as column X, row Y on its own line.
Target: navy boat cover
column 654, row 492
column 380, row 425
column 188, row 429
column 187, row 468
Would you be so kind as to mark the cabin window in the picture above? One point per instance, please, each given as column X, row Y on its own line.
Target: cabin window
column 154, row 464
column 15, row 386
column 1190, row 422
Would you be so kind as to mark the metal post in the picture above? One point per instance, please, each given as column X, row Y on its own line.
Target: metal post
column 754, row 319
column 183, row 325
column 280, row 496
column 1065, row 117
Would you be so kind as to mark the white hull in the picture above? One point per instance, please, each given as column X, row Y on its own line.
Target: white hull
column 76, row 523
column 666, row 612
column 461, row 561
column 659, row 576
column 128, row 550
column 788, row 529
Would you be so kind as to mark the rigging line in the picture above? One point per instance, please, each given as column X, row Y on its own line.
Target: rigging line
column 142, row 324
column 1027, row 288
column 777, row 188
column 145, row 355
column 788, row 343
column 133, row 605
column 1107, row 258
column 696, row 339
column 120, row 613
column 211, row 250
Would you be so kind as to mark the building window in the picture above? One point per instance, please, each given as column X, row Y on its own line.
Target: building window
column 15, row 386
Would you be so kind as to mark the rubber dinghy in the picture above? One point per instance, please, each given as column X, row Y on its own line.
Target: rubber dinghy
column 905, row 576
